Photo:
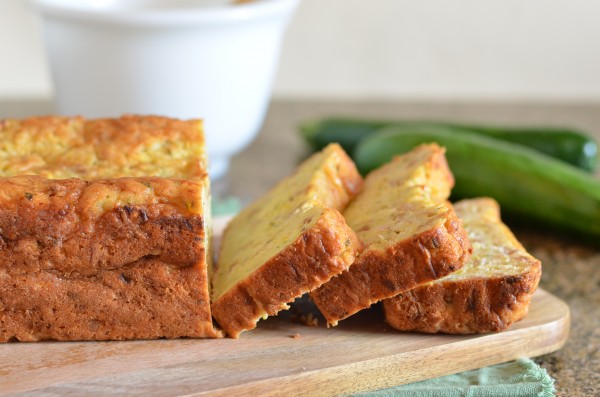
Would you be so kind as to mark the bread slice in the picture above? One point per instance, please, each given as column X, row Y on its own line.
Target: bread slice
column 287, row 243
column 104, row 229
column 488, row 294
column 411, row 235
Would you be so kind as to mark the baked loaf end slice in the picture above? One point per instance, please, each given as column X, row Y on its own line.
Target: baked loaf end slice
column 287, row 243
column 488, row 294
column 411, row 235
column 102, row 256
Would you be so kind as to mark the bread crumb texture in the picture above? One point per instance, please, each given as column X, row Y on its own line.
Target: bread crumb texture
column 73, row 147
column 288, row 242
column 411, row 234
column 103, row 229
column 488, row 294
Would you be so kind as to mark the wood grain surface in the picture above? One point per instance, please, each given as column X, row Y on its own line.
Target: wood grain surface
column 282, row 357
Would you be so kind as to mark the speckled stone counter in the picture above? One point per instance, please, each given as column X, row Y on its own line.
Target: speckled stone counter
column 571, row 270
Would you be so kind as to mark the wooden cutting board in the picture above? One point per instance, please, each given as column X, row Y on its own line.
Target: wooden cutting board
column 280, row 357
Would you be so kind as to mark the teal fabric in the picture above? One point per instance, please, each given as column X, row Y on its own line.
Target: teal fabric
column 521, row 378
column 226, row 206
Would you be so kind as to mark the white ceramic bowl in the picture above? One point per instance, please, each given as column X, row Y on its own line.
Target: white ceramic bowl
column 213, row 60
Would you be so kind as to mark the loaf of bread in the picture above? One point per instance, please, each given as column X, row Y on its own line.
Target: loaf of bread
column 287, row 243
column 410, row 234
column 104, row 229
column 488, row 294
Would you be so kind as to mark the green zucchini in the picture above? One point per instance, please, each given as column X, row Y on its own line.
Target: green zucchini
column 565, row 144
column 525, row 182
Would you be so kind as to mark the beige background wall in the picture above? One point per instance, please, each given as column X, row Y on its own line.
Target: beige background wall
column 430, row 49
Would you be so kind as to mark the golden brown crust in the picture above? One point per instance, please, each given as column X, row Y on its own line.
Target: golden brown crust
column 129, row 271
column 110, row 253
column 488, row 294
column 287, row 243
column 73, row 147
column 48, row 225
column 470, row 306
column 378, row 275
column 410, row 236
column 315, row 256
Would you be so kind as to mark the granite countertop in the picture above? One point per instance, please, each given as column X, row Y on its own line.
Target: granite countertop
column 571, row 270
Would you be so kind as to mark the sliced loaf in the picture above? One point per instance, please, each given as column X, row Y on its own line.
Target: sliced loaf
column 411, row 235
column 488, row 294
column 287, row 243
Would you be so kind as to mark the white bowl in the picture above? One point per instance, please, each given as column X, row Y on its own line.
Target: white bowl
column 182, row 58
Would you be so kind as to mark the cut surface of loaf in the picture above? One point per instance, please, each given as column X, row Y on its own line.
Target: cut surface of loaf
column 287, row 243
column 488, row 294
column 411, row 235
column 105, row 254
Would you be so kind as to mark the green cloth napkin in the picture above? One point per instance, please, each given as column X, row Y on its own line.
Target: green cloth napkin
column 226, row 206
column 521, row 378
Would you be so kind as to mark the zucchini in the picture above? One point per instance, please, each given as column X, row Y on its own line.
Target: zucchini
column 565, row 144
column 348, row 133
column 525, row 182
